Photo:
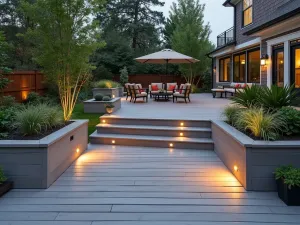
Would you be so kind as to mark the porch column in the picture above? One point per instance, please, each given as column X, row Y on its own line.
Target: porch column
column 287, row 63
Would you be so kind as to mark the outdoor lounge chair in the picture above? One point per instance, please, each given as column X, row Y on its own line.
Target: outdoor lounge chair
column 128, row 93
column 137, row 92
column 159, row 86
column 184, row 92
column 168, row 87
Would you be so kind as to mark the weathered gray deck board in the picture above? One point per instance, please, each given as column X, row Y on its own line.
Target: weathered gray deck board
column 108, row 186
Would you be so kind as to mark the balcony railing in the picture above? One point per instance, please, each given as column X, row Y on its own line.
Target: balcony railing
column 226, row 38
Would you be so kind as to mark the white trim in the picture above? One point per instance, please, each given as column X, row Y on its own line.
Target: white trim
column 217, row 70
column 288, row 37
column 287, row 63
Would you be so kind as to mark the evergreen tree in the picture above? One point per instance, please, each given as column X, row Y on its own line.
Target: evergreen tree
column 189, row 35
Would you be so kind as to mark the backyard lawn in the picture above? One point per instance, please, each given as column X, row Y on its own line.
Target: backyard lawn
column 92, row 117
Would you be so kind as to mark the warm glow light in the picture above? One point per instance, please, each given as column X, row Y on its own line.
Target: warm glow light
column 263, row 62
column 171, row 145
column 236, row 168
column 113, row 141
column 24, row 95
column 77, row 150
column 181, row 134
column 182, row 124
column 103, row 121
column 113, row 96
column 243, row 62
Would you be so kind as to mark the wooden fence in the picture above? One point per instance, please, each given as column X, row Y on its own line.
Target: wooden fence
column 24, row 82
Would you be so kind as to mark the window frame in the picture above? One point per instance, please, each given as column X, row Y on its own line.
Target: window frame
column 245, row 76
column 220, row 60
column 243, row 14
column 248, row 64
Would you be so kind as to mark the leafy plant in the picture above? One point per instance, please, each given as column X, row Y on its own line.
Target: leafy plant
column 261, row 124
column 33, row 98
column 35, row 119
column 124, row 76
column 7, row 101
column 248, row 97
column 289, row 174
column 2, row 177
column 7, row 115
column 99, row 97
column 106, row 84
column 232, row 113
column 277, row 97
column 110, row 106
column 106, row 99
column 292, row 119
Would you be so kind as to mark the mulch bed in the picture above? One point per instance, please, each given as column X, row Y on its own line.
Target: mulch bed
column 17, row 136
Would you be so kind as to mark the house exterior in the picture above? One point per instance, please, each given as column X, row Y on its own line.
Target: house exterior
column 263, row 47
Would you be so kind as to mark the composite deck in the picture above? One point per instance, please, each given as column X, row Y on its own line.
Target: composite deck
column 117, row 185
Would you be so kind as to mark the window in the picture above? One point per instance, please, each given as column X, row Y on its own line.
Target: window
column 224, row 73
column 253, row 66
column 247, row 12
column 239, row 72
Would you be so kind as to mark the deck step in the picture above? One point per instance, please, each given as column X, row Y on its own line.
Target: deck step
column 152, row 141
column 154, row 122
column 191, row 132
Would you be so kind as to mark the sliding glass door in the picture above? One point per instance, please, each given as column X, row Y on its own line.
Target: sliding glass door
column 295, row 64
column 278, row 66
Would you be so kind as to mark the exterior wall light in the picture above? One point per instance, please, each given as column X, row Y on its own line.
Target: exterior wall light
column 182, row 124
column 215, row 69
column 113, row 96
column 264, row 59
column 103, row 121
column 113, row 142
column 181, row 134
column 77, row 150
column 171, row 145
column 236, row 169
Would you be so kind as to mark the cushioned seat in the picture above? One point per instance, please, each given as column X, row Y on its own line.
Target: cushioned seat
column 178, row 94
column 141, row 95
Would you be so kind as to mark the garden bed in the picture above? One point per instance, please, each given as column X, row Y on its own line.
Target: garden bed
column 92, row 106
column 253, row 162
column 38, row 163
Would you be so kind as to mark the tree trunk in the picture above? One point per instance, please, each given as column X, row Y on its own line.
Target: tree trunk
column 135, row 24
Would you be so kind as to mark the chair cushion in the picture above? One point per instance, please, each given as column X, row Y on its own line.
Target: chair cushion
column 231, row 90
column 154, row 87
column 154, row 92
column 243, row 85
column 171, row 87
column 178, row 94
column 141, row 95
column 182, row 86
column 237, row 85
column 218, row 90
column 159, row 85
column 169, row 92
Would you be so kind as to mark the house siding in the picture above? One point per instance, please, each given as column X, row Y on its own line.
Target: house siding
column 263, row 11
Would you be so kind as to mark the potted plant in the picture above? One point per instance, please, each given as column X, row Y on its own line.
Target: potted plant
column 5, row 185
column 109, row 108
column 288, row 184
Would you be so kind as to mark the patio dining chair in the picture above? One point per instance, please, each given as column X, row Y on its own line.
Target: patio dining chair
column 136, row 93
column 154, row 88
column 184, row 92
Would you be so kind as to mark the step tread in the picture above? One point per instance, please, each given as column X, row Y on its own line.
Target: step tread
column 152, row 138
column 204, row 129
column 155, row 119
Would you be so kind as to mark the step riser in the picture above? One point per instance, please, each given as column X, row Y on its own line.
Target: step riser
column 153, row 132
column 152, row 143
column 150, row 122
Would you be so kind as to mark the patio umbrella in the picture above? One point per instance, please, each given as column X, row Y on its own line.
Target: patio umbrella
column 167, row 56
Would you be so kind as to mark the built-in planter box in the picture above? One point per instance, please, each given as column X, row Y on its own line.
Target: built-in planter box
column 92, row 106
column 38, row 163
column 290, row 196
column 5, row 187
column 253, row 162
column 112, row 92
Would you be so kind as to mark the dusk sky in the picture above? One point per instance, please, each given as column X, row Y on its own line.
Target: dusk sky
column 219, row 17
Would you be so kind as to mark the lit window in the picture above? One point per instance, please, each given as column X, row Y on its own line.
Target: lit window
column 239, row 71
column 253, row 66
column 247, row 12
column 224, row 73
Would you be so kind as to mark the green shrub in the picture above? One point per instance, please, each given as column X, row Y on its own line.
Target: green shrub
column 110, row 106
column 277, row 97
column 33, row 98
column 106, row 99
column 99, row 97
column 7, row 101
column 289, row 174
column 124, row 76
column 7, row 119
column 292, row 119
column 260, row 124
column 2, row 177
column 106, row 84
column 35, row 119
column 231, row 113
column 248, row 97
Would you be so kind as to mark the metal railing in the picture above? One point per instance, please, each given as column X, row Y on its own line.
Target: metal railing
column 226, row 38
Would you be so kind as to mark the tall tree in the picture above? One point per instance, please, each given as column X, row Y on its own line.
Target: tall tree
column 65, row 38
column 189, row 35
column 135, row 19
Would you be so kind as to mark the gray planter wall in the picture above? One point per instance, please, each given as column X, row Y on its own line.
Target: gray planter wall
column 107, row 91
column 256, row 160
column 92, row 106
column 38, row 163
